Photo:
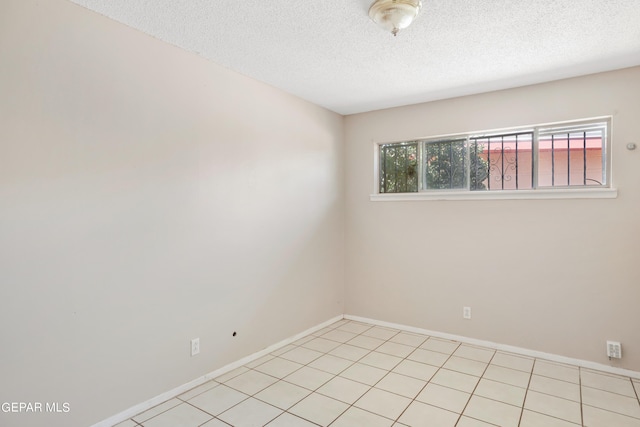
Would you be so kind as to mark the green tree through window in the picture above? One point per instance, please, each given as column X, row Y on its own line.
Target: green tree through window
column 444, row 166
column 399, row 168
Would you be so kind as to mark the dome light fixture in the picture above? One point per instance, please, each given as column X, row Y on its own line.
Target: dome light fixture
column 394, row 15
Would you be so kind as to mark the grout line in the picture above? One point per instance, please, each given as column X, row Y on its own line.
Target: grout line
column 613, row 392
column 631, row 417
column 526, row 391
column 635, row 389
column 476, row 386
column 428, row 381
column 351, row 405
column 581, row 404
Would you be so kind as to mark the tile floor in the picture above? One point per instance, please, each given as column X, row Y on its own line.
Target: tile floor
column 352, row 374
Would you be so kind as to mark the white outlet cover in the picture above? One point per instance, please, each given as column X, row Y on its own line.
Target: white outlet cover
column 466, row 312
column 195, row 346
column 614, row 349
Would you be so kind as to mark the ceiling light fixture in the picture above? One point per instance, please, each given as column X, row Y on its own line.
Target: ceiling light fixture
column 394, row 15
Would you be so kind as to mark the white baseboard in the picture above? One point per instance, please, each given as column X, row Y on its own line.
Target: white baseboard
column 502, row 347
column 141, row 407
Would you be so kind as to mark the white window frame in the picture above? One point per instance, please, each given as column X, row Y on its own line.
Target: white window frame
column 606, row 191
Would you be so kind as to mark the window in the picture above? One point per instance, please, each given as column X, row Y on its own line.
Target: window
column 561, row 157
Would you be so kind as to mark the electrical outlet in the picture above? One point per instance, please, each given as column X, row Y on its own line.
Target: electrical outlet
column 466, row 312
column 614, row 350
column 195, row 346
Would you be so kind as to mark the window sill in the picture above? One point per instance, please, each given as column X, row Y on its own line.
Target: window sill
column 577, row 193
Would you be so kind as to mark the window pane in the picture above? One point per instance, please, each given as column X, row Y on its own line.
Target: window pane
column 445, row 165
column 502, row 162
column 399, row 168
column 571, row 159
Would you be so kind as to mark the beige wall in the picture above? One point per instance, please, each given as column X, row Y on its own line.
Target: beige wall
column 568, row 279
column 148, row 197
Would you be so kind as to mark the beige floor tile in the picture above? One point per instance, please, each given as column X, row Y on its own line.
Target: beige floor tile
column 319, row 409
column 444, row 397
column 339, row 336
column 381, row 360
column 320, row 344
column 232, row 374
column 439, row 345
column 401, row 384
column 611, row 402
column 466, row 366
column 456, row 380
column 349, row 352
column 301, row 355
column 501, row 392
column 429, row 357
column 507, row 376
column 332, row 364
column 512, row 361
column 303, row 340
column 259, row 361
column 534, row 419
column 607, row 383
column 197, row 390
column 493, row 412
column 553, row 406
column 343, row 389
column 420, row 414
column 409, row 339
column 474, row 353
column 356, row 328
column 308, row 378
column 357, row 417
column 557, row 371
column 278, row 367
column 218, row 400
column 183, row 415
column 366, row 342
column 340, row 323
column 127, row 423
column 363, row 373
column 288, row 420
column 472, row 422
column 322, row 331
column 596, row 417
column 558, row 388
column 215, row 423
column 380, row 333
column 150, row 413
column 282, row 350
column 251, row 382
column 418, row 370
column 383, row 403
column 283, row 394
column 395, row 349
column 250, row 413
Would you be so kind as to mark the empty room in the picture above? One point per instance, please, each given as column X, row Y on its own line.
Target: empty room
column 335, row 213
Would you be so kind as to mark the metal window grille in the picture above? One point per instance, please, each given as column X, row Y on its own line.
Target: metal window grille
column 555, row 157
column 572, row 157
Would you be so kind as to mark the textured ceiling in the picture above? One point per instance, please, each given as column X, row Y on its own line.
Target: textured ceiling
column 330, row 53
